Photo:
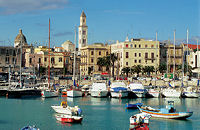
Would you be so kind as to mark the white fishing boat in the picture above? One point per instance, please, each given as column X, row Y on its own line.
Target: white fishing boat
column 118, row 89
column 139, row 121
column 68, row 118
column 171, row 93
column 99, row 90
column 63, row 108
column 138, row 89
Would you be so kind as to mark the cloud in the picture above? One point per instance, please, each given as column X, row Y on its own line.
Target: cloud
column 120, row 12
column 8, row 7
column 60, row 34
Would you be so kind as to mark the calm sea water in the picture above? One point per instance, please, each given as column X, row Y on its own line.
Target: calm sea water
column 99, row 114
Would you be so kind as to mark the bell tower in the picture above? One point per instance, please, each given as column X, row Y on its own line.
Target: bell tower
column 82, row 31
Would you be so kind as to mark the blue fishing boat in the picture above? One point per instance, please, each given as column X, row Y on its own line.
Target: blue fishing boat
column 169, row 112
column 133, row 106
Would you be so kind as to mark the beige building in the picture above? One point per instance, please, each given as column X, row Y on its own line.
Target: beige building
column 167, row 55
column 89, row 57
column 136, row 52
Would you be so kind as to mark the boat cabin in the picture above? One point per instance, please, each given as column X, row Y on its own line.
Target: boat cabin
column 170, row 107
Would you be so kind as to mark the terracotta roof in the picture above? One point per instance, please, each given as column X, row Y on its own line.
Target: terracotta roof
column 192, row 46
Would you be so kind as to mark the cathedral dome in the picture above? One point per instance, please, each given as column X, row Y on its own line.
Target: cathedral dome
column 20, row 38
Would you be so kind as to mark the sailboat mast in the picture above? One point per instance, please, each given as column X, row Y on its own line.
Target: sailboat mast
column 174, row 55
column 74, row 65
column 49, row 57
column 21, row 62
column 197, row 56
column 156, row 56
column 187, row 55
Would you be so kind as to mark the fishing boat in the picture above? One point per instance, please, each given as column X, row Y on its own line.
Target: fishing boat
column 118, row 89
column 139, row 121
column 133, row 106
column 99, row 90
column 74, row 93
column 68, row 118
column 63, row 108
column 138, row 89
column 169, row 112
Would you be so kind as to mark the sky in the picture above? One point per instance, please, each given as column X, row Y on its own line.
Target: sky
column 107, row 20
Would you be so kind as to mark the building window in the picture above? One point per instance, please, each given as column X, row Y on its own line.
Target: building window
column 135, row 54
column 152, row 46
column 139, row 54
column 60, row 59
column 135, row 61
column 135, row 45
column 146, row 55
column 106, row 53
column 13, row 60
column 84, row 41
column 126, row 45
column 91, row 60
column 7, row 60
column 126, row 54
column 45, row 59
column 52, row 60
column 92, row 53
column 84, row 32
column 145, row 46
column 39, row 60
column 99, row 52
column 152, row 55
column 99, row 68
column 152, row 61
column 127, row 63
column 139, row 46
column 30, row 60
column 131, row 45
column 139, row 61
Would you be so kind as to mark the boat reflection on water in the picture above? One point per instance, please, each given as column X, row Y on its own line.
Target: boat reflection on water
column 116, row 101
column 65, row 118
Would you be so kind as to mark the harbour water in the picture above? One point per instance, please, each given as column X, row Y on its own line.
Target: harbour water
column 99, row 113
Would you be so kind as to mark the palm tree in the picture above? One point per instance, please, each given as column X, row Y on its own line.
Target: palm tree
column 136, row 69
column 126, row 71
column 162, row 67
column 101, row 62
column 148, row 69
column 112, row 58
column 189, row 71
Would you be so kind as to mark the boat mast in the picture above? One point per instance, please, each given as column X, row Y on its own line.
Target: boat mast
column 174, row 56
column 156, row 56
column 21, row 62
column 187, row 56
column 49, row 57
column 197, row 57
column 183, row 66
column 74, row 65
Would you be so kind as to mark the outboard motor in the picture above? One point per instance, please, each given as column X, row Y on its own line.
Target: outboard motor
column 79, row 111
